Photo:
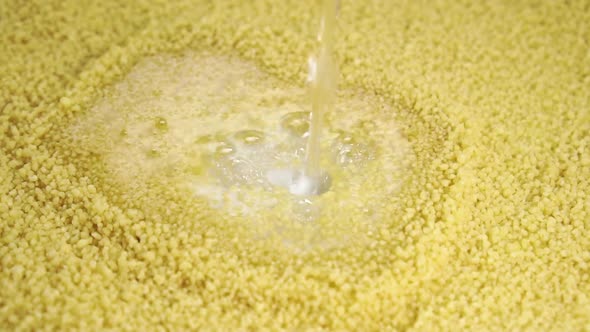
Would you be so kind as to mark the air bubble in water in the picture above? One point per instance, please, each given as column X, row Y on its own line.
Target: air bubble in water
column 205, row 139
column 153, row 153
column 249, row 137
column 224, row 148
column 161, row 124
column 296, row 124
column 347, row 150
column 233, row 170
column 305, row 210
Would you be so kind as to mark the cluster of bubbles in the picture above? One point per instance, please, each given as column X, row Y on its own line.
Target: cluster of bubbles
column 270, row 160
column 235, row 138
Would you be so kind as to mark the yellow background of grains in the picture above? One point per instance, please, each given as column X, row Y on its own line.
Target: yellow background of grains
column 493, row 227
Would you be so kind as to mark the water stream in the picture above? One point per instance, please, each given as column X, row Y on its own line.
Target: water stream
column 323, row 74
column 322, row 80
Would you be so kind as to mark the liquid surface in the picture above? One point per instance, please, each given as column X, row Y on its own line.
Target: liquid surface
column 488, row 233
column 229, row 134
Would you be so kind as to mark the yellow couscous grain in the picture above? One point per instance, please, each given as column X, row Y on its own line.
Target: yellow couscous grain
column 490, row 230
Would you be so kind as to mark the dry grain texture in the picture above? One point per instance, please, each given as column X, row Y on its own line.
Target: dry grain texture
column 491, row 229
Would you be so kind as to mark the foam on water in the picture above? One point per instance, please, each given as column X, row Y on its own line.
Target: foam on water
column 234, row 137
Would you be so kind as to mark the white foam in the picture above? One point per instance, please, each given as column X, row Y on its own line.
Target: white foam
column 299, row 183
